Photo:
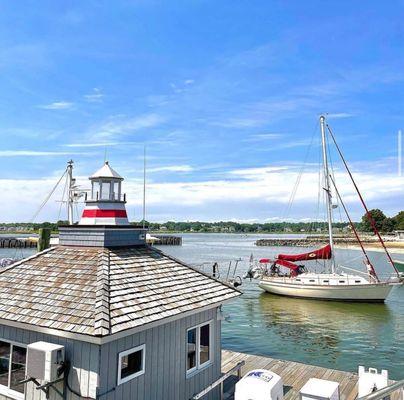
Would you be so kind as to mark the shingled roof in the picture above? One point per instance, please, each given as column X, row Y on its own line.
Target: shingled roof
column 101, row 291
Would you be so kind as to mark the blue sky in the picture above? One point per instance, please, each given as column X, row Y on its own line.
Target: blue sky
column 225, row 95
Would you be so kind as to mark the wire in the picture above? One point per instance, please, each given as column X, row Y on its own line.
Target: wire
column 369, row 216
column 63, row 198
column 47, row 197
column 298, row 179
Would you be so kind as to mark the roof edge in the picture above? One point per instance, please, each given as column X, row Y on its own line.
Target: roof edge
column 102, row 315
column 100, row 340
column 196, row 269
column 16, row 264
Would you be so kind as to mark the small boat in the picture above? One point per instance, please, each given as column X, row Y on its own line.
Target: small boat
column 334, row 283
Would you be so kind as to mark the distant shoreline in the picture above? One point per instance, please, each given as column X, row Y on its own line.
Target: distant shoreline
column 392, row 247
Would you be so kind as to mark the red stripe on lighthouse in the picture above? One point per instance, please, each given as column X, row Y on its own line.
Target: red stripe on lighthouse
column 104, row 214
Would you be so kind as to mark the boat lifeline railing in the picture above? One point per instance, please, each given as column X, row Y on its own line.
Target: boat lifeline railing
column 383, row 393
column 220, row 382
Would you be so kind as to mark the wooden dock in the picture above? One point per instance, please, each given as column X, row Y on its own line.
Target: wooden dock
column 294, row 375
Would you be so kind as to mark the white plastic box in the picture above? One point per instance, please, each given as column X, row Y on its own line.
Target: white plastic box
column 259, row 384
column 319, row 389
column 44, row 360
column 371, row 380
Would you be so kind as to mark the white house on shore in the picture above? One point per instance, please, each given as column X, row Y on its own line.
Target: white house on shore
column 135, row 323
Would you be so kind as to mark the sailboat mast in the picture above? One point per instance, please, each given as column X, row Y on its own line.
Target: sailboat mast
column 327, row 188
column 70, row 192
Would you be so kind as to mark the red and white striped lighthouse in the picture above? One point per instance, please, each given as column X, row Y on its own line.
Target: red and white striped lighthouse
column 106, row 204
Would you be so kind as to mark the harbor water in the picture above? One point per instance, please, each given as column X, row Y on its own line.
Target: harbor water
column 329, row 334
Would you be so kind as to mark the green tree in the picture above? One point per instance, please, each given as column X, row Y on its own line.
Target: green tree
column 388, row 225
column 378, row 216
column 399, row 221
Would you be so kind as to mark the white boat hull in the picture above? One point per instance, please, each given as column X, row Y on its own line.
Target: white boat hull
column 372, row 292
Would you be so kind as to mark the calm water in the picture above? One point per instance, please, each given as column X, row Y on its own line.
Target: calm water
column 335, row 335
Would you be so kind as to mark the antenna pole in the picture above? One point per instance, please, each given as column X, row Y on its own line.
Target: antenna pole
column 327, row 189
column 70, row 192
column 144, row 186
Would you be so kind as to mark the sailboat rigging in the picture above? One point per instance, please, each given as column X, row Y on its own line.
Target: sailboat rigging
column 331, row 284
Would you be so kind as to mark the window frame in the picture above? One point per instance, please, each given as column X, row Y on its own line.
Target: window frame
column 122, row 354
column 6, row 390
column 198, row 366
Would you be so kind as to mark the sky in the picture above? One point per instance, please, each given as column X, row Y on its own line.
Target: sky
column 225, row 95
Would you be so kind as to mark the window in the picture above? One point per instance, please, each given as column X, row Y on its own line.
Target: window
column 326, row 281
column 116, row 191
column 12, row 368
column 341, row 281
column 105, row 190
column 199, row 350
column 131, row 364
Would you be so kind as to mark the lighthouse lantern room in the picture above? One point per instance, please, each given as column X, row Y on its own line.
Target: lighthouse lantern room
column 106, row 203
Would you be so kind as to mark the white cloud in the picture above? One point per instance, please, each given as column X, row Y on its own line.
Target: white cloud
column 264, row 136
column 33, row 153
column 339, row 115
column 101, row 144
column 172, row 168
column 57, row 105
column 95, row 96
column 260, row 194
column 121, row 125
column 189, row 82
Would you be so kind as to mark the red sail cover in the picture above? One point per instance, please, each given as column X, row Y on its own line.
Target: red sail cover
column 321, row 254
column 290, row 265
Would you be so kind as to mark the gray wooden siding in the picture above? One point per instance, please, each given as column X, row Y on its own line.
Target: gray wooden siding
column 165, row 369
column 84, row 359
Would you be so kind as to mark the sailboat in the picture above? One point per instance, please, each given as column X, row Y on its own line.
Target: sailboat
column 334, row 283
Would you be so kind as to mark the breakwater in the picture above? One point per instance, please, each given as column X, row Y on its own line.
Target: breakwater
column 311, row 241
column 12, row 243
column 168, row 240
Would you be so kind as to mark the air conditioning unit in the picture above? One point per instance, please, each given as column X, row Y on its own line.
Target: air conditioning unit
column 43, row 360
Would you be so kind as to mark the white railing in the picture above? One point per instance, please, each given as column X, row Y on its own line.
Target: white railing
column 220, row 381
column 383, row 393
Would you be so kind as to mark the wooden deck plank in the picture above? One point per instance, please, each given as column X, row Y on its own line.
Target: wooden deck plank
column 294, row 374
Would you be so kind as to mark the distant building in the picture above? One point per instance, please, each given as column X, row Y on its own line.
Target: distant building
column 399, row 234
column 134, row 322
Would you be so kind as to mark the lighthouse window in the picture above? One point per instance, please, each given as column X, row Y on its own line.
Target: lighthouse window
column 96, row 190
column 105, row 190
column 116, row 191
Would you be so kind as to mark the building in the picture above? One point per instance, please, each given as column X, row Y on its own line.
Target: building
column 134, row 322
column 399, row 234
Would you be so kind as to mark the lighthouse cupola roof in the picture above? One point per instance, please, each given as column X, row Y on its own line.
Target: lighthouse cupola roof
column 106, row 172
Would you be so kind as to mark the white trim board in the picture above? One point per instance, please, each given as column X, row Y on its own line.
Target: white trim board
column 141, row 348
column 110, row 338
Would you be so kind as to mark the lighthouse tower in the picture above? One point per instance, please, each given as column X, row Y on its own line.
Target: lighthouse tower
column 106, row 203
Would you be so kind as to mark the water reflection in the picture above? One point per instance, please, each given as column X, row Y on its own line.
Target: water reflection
column 321, row 326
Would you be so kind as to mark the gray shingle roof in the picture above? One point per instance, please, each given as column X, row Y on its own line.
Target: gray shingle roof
column 100, row 291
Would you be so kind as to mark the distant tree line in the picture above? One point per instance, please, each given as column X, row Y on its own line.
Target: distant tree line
column 383, row 223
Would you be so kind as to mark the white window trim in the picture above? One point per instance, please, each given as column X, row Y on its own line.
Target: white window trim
column 5, row 390
column 198, row 366
column 125, row 353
